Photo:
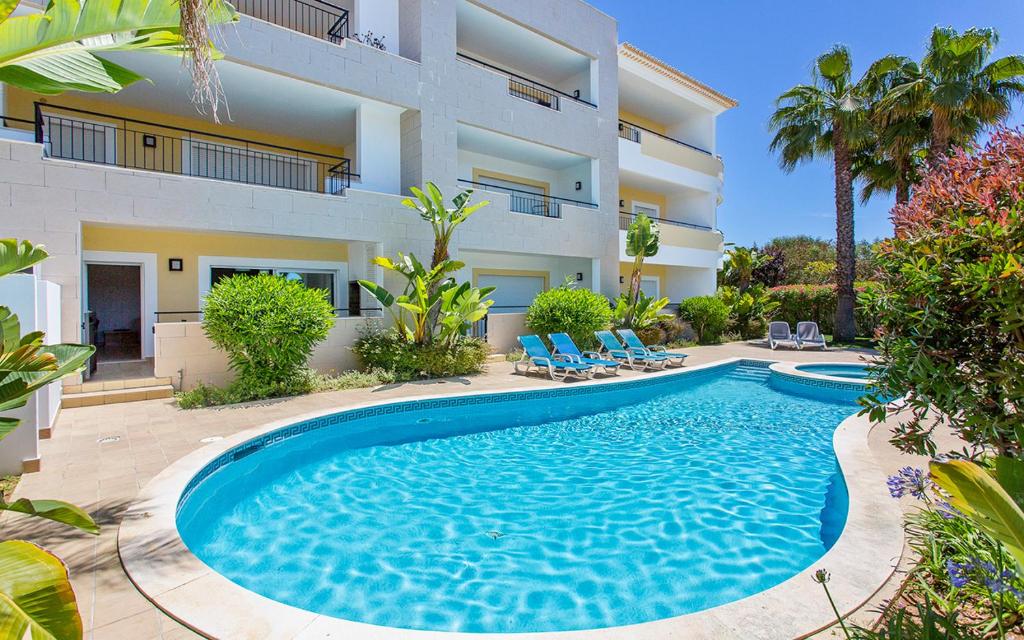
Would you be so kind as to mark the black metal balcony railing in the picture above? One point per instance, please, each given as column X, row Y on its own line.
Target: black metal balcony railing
column 86, row 136
column 626, row 218
column 530, row 90
column 634, row 133
column 536, row 204
column 312, row 17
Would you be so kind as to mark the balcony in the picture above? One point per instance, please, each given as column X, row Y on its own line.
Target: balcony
column 682, row 244
column 529, row 90
column 89, row 136
column 535, row 204
column 671, row 150
column 315, row 18
column 626, row 218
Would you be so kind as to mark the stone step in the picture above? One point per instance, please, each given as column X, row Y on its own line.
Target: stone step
column 90, row 386
column 115, row 396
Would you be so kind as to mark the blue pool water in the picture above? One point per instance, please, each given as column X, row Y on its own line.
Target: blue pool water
column 609, row 507
column 852, row 370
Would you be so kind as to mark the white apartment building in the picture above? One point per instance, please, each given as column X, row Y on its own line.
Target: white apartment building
column 143, row 203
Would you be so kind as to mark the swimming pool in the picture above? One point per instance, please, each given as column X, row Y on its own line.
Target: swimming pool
column 552, row 510
column 854, row 371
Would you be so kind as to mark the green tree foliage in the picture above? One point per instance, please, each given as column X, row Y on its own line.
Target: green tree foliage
column 569, row 309
column 749, row 310
column 267, row 325
column 35, row 594
column 708, row 315
column 951, row 302
column 387, row 350
column 64, row 47
column 957, row 87
column 817, row 303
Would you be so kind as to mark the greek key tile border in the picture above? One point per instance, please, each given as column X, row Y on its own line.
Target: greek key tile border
column 858, row 387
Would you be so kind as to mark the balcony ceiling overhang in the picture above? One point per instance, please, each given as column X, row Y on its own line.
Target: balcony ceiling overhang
column 254, row 99
column 499, row 145
column 644, row 182
column 643, row 96
column 508, row 43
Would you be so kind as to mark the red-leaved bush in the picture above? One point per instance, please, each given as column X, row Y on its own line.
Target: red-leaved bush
column 982, row 185
column 951, row 302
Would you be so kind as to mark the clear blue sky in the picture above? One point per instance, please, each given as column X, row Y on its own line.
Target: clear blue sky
column 753, row 50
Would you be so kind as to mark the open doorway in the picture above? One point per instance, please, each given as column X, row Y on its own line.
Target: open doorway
column 114, row 298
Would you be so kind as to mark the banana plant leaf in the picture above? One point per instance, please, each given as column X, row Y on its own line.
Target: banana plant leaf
column 56, row 510
column 57, row 50
column 35, row 595
column 14, row 255
column 17, row 385
column 976, row 494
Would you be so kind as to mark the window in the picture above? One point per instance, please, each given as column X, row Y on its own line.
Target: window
column 650, row 210
column 312, row 279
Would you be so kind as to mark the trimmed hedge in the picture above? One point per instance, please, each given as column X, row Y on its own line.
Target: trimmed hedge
column 817, row 302
column 576, row 311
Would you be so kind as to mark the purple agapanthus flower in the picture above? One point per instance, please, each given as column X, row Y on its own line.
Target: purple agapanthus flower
column 983, row 573
column 908, row 480
column 947, row 511
column 959, row 573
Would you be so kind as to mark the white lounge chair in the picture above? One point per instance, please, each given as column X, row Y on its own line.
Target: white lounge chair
column 808, row 335
column 779, row 334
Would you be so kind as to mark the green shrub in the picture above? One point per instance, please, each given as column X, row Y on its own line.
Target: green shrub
column 267, row 325
column 385, row 349
column 305, row 381
column 576, row 311
column 708, row 315
column 950, row 303
column 817, row 303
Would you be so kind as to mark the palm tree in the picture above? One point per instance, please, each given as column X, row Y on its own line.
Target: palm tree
column 900, row 134
column 958, row 87
column 828, row 118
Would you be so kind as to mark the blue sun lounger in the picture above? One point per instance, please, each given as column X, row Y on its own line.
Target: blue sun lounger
column 632, row 358
column 633, row 342
column 536, row 355
column 564, row 346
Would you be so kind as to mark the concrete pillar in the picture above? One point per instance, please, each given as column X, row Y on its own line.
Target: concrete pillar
column 379, row 148
column 380, row 17
column 19, row 451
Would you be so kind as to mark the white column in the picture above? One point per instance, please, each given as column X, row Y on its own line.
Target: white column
column 380, row 17
column 18, row 292
column 595, row 274
column 379, row 148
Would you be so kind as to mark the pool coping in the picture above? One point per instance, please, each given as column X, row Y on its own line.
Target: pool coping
column 164, row 570
column 792, row 370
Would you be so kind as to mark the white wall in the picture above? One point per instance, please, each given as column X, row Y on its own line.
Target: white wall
column 18, row 292
column 379, row 148
column 693, row 207
column 49, row 320
column 680, row 283
column 380, row 17
column 697, row 129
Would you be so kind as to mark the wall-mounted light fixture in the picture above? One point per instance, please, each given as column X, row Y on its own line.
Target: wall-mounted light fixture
column 579, row 186
column 579, row 276
column 149, row 140
column 622, row 203
column 622, row 280
column 576, row 94
column 175, row 264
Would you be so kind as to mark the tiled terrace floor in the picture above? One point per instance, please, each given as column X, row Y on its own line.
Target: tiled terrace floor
column 105, row 477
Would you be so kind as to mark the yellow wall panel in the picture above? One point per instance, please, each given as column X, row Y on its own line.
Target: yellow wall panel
column 179, row 290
